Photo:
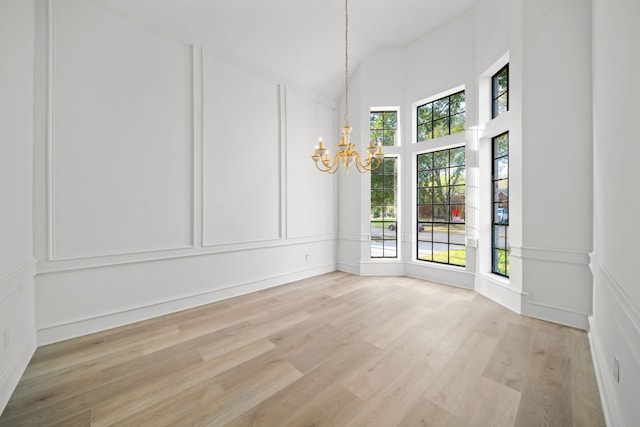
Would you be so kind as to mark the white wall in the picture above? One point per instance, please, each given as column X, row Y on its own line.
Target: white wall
column 17, row 331
column 615, row 324
column 167, row 175
column 557, row 160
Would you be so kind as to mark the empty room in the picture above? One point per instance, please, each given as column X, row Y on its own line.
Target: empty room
column 336, row 213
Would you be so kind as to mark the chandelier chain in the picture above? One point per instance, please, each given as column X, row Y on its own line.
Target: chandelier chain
column 346, row 63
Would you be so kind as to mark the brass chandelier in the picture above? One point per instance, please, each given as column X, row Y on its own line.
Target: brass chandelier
column 347, row 154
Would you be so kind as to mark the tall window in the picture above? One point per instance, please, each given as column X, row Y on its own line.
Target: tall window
column 441, row 206
column 444, row 116
column 500, row 201
column 500, row 92
column 384, row 127
column 384, row 205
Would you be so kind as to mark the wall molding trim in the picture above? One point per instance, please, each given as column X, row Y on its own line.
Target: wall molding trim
column 630, row 310
column 556, row 314
column 11, row 374
column 499, row 292
column 142, row 257
column 50, row 141
column 551, row 255
column 52, row 333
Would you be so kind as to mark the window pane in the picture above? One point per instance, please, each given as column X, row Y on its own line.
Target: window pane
column 500, row 236
column 501, row 145
column 425, row 231
column 458, row 103
column 424, row 113
column 389, row 181
column 456, row 234
column 441, row 127
column 390, row 120
column 377, row 197
column 457, row 156
column 425, row 213
column 425, row 161
column 501, row 168
column 457, row 194
column 457, row 213
column 425, row 251
column 389, row 230
column 389, row 213
column 424, row 132
column 441, row 108
column 390, row 249
column 376, row 136
column 501, row 213
column 377, row 181
column 376, row 230
column 501, row 190
column 503, row 103
column 457, row 255
column 425, row 196
column 441, row 253
column 389, row 138
column 441, row 159
column 457, row 175
column 375, row 120
column 457, row 123
column 389, row 165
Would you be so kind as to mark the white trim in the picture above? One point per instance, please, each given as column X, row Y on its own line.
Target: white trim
column 610, row 407
column 51, row 152
column 282, row 102
column 556, row 314
column 552, row 255
column 97, row 262
column 629, row 309
column 497, row 289
column 51, row 333
column 12, row 373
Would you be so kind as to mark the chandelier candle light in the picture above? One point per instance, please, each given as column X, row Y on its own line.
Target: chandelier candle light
column 347, row 153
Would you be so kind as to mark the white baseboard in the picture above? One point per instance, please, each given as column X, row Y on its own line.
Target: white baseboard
column 500, row 293
column 10, row 376
column 604, row 380
column 48, row 334
column 561, row 315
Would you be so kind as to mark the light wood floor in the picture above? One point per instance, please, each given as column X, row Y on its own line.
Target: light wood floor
column 334, row 350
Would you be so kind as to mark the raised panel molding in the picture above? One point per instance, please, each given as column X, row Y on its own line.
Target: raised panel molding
column 52, row 238
column 621, row 329
column 236, row 142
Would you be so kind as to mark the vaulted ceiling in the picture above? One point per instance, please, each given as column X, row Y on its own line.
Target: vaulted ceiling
column 300, row 42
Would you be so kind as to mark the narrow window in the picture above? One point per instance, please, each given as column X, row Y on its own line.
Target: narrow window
column 441, row 206
column 444, row 116
column 384, row 226
column 500, row 202
column 384, row 127
column 500, row 91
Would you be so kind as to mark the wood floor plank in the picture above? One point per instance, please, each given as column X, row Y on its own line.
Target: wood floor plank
column 334, row 350
column 492, row 404
column 454, row 384
column 510, row 361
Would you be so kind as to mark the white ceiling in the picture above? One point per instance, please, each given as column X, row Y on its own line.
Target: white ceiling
column 300, row 42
